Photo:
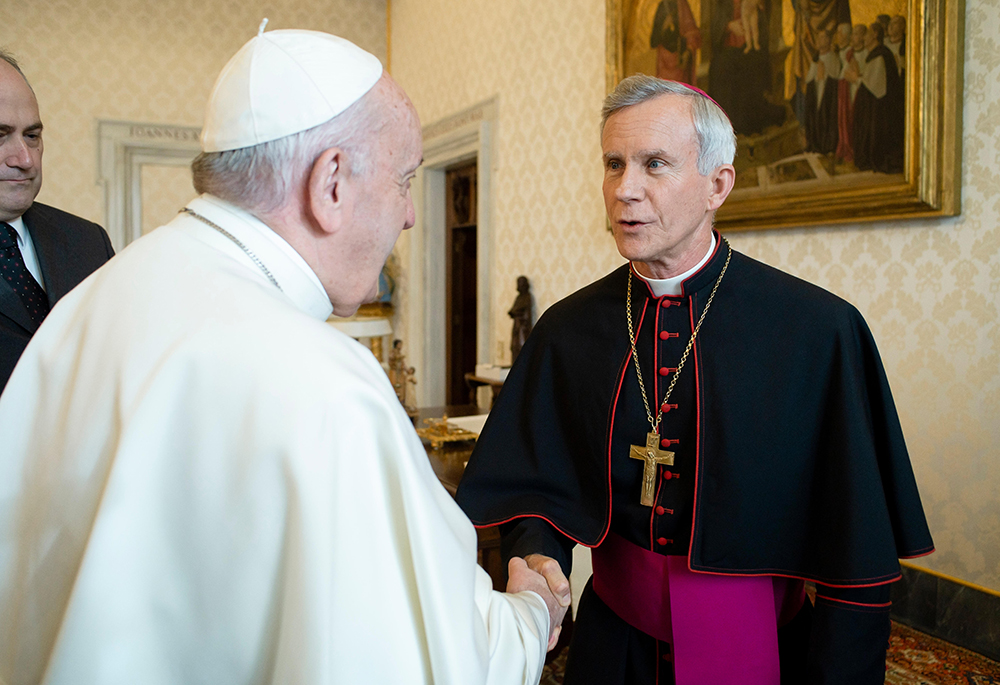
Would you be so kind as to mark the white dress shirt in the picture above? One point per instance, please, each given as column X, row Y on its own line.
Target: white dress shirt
column 672, row 286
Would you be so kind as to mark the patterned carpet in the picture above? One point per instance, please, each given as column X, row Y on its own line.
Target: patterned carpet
column 914, row 659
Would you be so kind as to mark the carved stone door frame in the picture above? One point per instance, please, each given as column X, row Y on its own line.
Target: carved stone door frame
column 124, row 147
column 464, row 136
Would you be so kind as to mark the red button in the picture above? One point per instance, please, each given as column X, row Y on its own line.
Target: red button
column 661, row 541
column 666, row 303
column 660, row 511
column 666, row 335
column 667, row 475
column 664, row 370
column 668, row 407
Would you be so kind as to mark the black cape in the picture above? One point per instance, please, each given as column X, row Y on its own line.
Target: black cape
column 801, row 467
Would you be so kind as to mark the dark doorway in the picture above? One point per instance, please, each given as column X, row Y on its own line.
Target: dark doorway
column 460, row 279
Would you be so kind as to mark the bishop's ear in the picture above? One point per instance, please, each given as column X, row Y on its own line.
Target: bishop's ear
column 722, row 180
column 329, row 190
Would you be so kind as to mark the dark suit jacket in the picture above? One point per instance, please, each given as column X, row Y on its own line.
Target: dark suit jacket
column 68, row 249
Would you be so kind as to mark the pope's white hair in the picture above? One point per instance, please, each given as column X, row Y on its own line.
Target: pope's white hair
column 262, row 178
column 716, row 139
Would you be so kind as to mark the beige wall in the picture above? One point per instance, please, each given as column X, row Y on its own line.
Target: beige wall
column 929, row 289
column 148, row 61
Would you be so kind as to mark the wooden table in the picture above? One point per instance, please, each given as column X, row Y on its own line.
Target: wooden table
column 475, row 382
column 448, row 462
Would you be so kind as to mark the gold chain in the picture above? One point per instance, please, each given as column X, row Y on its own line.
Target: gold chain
column 687, row 350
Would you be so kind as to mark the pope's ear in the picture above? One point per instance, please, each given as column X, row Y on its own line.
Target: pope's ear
column 328, row 189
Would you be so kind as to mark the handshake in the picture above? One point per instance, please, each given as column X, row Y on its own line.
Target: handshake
column 542, row 575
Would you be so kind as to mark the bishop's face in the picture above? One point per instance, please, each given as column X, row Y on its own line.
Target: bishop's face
column 659, row 205
column 20, row 144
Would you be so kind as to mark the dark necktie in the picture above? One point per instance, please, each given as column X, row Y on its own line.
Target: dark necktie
column 13, row 270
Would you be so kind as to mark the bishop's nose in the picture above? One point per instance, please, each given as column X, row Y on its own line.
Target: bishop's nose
column 629, row 187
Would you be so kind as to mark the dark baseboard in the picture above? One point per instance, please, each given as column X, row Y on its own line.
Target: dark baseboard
column 958, row 613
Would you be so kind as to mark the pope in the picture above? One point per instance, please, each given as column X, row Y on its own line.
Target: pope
column 203, row 482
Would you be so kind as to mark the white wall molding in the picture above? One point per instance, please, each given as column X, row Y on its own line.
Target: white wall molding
column 123, row 148
column 469, row 134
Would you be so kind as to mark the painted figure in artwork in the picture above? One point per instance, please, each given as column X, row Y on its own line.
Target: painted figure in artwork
column 751, row 27
column 879, row 107
column 821, row 97
column 675, row 37
column 895, row 40
column 848, row 91
column 813, row 17
column 738, row 78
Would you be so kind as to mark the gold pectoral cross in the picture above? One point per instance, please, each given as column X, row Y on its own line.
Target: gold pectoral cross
column 652, row 455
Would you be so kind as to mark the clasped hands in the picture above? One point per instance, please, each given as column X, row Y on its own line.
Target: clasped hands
column 542, row 575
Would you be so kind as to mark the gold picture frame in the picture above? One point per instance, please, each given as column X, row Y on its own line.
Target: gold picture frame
column 929, row 184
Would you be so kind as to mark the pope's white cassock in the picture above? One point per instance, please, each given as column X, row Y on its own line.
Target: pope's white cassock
column 203, row 482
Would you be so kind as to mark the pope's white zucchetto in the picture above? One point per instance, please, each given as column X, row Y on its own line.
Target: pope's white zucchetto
column 284, row 82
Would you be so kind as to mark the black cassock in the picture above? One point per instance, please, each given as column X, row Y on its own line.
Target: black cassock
column 789, row 459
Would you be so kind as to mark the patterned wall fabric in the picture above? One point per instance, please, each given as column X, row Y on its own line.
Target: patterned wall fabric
column 930, row 289
column 165, row 189
column 144, row 61
column 545, row 61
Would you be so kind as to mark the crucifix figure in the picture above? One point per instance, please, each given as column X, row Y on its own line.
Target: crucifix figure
column 652, row 455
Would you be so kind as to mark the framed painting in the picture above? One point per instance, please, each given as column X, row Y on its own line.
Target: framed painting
column 844, row 110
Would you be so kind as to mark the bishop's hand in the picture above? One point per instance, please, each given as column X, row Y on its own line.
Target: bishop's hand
column 537, row 576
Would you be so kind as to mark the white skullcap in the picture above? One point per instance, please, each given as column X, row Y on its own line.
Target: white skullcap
column 284, row 82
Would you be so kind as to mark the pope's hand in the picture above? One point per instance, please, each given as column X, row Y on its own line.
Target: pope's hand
column 522, row 577
column 552, row 572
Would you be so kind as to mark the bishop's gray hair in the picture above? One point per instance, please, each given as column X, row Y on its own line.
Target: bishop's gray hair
column 263, row 177
column 716, row 139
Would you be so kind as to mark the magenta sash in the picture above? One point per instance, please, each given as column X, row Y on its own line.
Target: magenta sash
column 723, row 629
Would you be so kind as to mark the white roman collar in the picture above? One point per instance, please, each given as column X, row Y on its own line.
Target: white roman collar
column 297, row 280
column 674, row 285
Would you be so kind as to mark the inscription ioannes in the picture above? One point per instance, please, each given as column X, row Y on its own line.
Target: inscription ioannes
column 164, row 133
column 473, row 114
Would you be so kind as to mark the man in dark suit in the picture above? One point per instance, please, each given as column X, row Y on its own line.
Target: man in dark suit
column 44, row 252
